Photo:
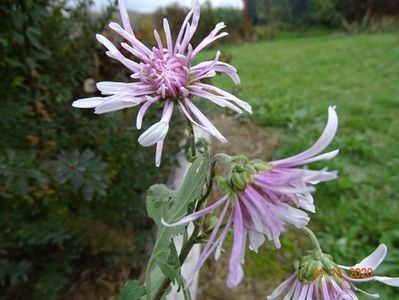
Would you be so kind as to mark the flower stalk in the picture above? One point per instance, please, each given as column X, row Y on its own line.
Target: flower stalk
column 310, row 234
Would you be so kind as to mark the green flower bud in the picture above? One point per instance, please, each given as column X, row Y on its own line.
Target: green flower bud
column 261, row 166
column 238, row 182
column 315, row 265
column 250, row 169
column 242, row 171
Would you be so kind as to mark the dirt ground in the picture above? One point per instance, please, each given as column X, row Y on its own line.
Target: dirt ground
column 248, row 139
column 244, row 138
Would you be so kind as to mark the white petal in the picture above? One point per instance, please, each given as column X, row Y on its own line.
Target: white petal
column 392, row 281
column 158, row 153
column 256, row 240
column 111, row 88
column 306, row 202
column 374, row 259
column 114, row 105
column 154, row 134
column 124, row 16
column 375, row 296
column 88, row 102
column 281, row 288
column 325, row 139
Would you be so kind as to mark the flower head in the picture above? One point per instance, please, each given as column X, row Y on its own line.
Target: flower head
column 321, row 278
column 164, row 76
column 264, row 197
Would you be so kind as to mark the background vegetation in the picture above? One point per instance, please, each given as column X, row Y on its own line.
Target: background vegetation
column 70, row 195
column 295, row 81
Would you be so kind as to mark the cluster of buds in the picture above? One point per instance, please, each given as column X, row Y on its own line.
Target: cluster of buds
column 315, row 265
column 241, row 173
column 317, row 276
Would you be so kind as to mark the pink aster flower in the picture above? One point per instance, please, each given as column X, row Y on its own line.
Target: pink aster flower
column 336, row 286
column 263, row 198
column 164, row 76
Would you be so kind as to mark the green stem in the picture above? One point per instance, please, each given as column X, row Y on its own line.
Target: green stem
column 212, row 173
column 191, row 135
column 182, row 257
column 313, row 239
column 194, row 238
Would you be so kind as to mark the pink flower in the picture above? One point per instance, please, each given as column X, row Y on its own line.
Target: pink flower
column 336, row 286
column 263, row 198
column 164, row 76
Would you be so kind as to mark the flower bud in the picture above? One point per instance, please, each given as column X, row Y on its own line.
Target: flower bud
column 238, row 181
column 261, row 166
column 315, row 265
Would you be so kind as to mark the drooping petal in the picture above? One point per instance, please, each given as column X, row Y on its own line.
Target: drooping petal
column 392, row 281
column 210, row 88
column 324, row 156
column 277, row 178
column 256, row 240
column 326, row 293
column 158, row 153
column 112, row 88
column 304, row 292
column 236, row 273
column 282, row 287
column 210, row 245
column 204, row 122
column 219, row 242
column 286, row 189
column 204, row 255
column 374, row 296
column 154, row 134
column 198, row 214
column 116, row 103
column 216, row 99
column 292, row 215
column 322, row 143
column 310, row 291
column 141, row 113
column 374, row 259
column 88, row 102
column 306, row 202
column 220, row 67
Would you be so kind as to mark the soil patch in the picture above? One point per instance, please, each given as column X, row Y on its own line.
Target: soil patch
column 245, row 138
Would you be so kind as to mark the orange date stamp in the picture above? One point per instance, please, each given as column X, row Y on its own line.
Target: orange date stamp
column 357, row 273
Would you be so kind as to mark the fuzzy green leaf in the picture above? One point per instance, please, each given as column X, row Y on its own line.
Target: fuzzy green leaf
column 132, row 290
column 190, row 191
column 159, row 200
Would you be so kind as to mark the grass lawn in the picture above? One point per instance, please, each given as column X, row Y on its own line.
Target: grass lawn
column 290, row 83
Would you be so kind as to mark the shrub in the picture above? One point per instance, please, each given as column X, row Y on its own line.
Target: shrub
column 68, row 194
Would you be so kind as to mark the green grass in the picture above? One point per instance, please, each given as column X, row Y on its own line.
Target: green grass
column 290, row 83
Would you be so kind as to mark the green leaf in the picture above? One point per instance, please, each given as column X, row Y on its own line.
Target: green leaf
column 173, row 258
column 159, row 200
column 171, row 267
column 167, row 270
column 190, row 191
column 132, row 290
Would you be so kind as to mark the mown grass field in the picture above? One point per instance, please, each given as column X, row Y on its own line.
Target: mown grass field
column 290, row 83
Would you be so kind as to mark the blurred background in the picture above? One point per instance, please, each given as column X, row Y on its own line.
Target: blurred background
column 72, row 184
